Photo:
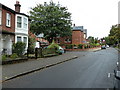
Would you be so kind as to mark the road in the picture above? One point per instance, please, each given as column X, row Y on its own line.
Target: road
column 88, row 71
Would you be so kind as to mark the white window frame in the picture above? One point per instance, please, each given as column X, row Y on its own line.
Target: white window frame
column 24, row 40
column 8, row 20
column 0, row 17
column 25, row 23
column 19, row 22
column 20, row 37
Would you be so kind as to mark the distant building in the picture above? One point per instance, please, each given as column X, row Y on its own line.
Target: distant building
column 79, row 35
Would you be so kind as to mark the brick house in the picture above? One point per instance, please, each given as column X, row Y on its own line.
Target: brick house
column 79, row 35
column 13, row 26
column 7, row 28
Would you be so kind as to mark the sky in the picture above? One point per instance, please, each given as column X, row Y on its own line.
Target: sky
column 97, row 16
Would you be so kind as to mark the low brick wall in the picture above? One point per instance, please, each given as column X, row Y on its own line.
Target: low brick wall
column 81, row 49
column 14, row 61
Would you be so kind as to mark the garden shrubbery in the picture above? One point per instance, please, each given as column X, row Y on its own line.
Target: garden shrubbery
column 19, row 48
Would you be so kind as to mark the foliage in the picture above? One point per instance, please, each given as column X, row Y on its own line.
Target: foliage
column 69, row 46
column 86, row 46
column 19, row 48
column 50, row 19
column 92, row 39
column 53, row 45
column 80, row 46
column 114, row 36
column 31, row 45
column 4, row 57
column 14, row 55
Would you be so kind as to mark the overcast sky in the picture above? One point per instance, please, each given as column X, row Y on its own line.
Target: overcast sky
column 97, row 16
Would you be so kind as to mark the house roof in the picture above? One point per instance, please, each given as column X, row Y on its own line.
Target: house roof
column 77, row 28
column 6, row 8
column 12, row 11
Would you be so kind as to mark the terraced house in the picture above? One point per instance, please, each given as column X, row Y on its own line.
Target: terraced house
column 13, row 26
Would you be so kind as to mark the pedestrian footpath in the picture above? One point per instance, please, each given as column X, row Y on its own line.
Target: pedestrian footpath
column 11, row 71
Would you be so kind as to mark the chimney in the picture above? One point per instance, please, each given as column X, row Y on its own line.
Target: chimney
column 17, row 6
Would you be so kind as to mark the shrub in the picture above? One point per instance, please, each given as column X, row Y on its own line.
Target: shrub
column 19, row 48
column 53, row 45
column 14, row 55
column 4, row 57
column 69, row 46
column 80, row 46
column 31, row 45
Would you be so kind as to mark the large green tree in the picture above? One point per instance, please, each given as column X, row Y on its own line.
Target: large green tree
column 51, row 19
column 114, row 35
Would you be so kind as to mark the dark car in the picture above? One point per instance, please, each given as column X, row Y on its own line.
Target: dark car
column 103, row 47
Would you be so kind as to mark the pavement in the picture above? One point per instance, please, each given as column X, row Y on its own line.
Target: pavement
column 12, row 71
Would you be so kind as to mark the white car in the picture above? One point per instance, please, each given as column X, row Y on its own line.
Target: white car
column 107, row 46
column 61, row 50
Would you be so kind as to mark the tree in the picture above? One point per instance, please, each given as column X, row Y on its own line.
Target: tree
column 31, row 44
column 51, row 19
column 91, row 39
column 114, row 35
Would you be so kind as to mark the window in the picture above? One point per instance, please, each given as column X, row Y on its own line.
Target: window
column 0, row 17
column 19, row 22
column 25, row 23
column 25, row 39
column 19, row 39
column 8, row 19
column 67, row 40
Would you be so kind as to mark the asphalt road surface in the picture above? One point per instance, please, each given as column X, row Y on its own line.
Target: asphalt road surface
column 88, row 71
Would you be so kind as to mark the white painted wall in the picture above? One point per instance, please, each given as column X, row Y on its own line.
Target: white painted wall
column 22, row 32
column 7, row 44
column 22, row 38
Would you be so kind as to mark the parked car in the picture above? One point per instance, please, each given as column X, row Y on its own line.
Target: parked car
column 103, row 47
column 107, row 46
column 61, row 50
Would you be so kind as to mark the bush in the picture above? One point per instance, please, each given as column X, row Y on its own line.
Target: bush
column 19, row 48
column 4, row 57
column 31, row 45
column 80, row 46
column 69, row 46
column 53, row 45
column 14, row 55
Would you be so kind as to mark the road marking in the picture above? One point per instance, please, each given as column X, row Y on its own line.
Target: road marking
column 108, row 75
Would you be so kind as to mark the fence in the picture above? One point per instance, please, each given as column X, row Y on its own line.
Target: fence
column 42, row 52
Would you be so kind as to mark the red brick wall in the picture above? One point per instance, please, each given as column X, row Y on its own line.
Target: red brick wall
column 4, row 27
column 62, row 40
column 77, row 37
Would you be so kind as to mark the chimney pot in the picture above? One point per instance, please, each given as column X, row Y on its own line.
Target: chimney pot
column 17, row 2
column 17, row 6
